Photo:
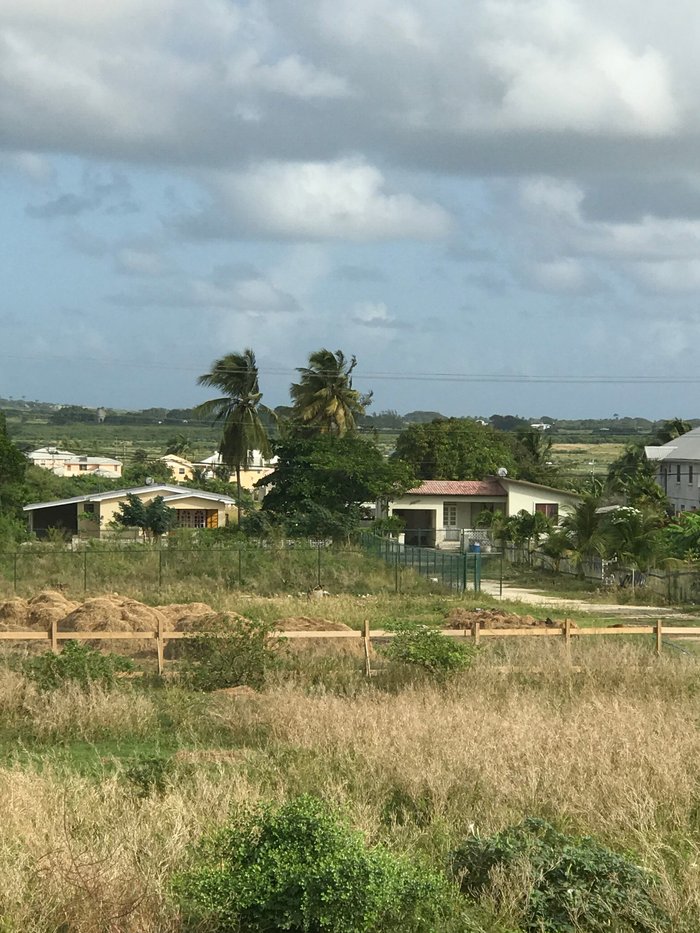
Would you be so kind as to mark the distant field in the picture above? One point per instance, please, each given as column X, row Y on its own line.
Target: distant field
column 586, row 459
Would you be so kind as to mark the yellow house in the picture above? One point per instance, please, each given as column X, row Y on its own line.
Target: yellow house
column 182, row 470
column 92, row 516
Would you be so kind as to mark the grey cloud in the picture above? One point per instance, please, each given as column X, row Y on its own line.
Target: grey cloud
column 109, row 191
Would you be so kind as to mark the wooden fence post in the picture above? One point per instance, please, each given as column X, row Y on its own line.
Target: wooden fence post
column 366, row 642
column 54, row 635
column 657, row 632
column 476, row 629
column 160, row 646
column 566, row 632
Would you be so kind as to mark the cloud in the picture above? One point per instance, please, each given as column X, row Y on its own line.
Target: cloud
column 132, row 261
column 374, row 314
column 109, row 191
column 356, row 273
column 226, row 290
column 316, row 201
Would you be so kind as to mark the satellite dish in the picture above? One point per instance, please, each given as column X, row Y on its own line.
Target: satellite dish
column 502, row 471
column 149, row 480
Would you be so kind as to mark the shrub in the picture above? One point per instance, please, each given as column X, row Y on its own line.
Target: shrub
column 232, row 652
column 148, row 775
column 426, row 647
column 300, row 868
column 76, row 663
column 574, row 884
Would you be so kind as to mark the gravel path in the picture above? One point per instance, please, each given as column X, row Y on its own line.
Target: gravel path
column 533, row 598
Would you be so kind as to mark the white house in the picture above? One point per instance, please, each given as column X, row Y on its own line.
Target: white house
column 66, row 463
column 437, row 512
column 678, row 470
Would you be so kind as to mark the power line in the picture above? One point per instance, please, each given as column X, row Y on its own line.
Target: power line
column 403, row 376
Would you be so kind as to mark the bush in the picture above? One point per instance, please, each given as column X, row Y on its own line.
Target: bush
column 148, row 775
column 574, row 883
column 301, row 868
column 426, row 647
column 77, row 663
column 232, row 652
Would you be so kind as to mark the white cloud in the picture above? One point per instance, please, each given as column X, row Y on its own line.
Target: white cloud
column 139, row 262
column 327, row 200
column 373, row 314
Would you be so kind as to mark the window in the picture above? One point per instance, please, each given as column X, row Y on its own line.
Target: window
column 690, row 473
column 549, row 509
column 82, row 466
column 678, row 472
column 449, row 515
column 89, row 508
column 181, row 471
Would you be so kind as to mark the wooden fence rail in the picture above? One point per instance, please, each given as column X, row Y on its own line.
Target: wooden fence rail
column 475, row 633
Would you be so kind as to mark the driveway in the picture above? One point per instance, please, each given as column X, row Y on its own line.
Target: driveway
column 533, row 598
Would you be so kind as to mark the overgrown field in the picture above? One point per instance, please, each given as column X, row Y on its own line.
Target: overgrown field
column 108, row 785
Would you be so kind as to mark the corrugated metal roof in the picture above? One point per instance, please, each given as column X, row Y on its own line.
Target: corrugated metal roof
column 169, row 493
column 459, row 487
column 685, row 447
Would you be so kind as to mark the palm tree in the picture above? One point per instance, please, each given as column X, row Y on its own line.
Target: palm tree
column 238, row 411
column 584, row 526
column 324, row 398
column 180, row 445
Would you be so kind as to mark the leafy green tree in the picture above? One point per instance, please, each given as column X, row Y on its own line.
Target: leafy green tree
column 670, row 430
column 454, row 448
column 239, row 411
column 555, row 546
column 138, row 474
column 319, row 483
column 533, row 452
column 153, row 518
column 681, row 538
column 13, row 466
column 324, row 399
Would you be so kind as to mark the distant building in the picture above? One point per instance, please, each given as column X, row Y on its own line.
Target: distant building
column 93, row 516
column 678, row 470
column 182, row 470
column 257, row 468
column 66, row 463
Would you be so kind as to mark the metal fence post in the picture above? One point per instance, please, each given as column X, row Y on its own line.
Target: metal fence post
column 319, row 566
column 85, row 570
column 464, row 572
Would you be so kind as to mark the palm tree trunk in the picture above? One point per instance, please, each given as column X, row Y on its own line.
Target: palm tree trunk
column 238, row 492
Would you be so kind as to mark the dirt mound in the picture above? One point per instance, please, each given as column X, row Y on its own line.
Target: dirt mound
column 48, row 607
column 495, row 618
column 180, row 616
column 111, row 614
column 307, row 624
column 13, row 615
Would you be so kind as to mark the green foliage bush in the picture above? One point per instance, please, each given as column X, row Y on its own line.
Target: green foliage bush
column 424, row 646
column 231, row 652
column 301, row 868
column 148, row 774
column 575, row 884
column 78, row 663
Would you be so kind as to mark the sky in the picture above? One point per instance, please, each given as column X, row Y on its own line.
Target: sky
column 493, row 204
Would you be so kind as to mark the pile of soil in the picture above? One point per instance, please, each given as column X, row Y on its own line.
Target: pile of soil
column 114, row 613
column 308, row 624
column 495, row 618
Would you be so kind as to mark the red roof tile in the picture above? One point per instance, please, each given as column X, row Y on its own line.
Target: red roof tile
column 459, row 487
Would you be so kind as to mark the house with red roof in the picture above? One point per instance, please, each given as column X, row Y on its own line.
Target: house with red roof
column 438, row 513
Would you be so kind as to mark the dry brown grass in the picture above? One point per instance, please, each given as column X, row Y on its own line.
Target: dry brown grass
column 609, row 747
